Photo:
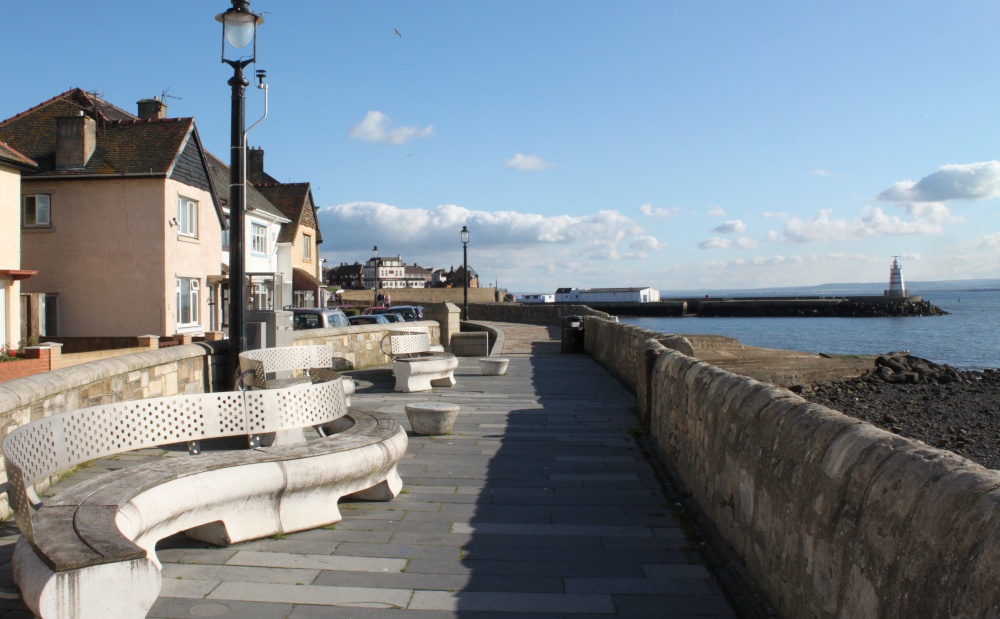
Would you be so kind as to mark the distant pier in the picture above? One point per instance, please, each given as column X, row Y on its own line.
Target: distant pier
column 776, row 307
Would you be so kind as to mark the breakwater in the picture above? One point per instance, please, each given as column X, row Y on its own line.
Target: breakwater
column 776, row 307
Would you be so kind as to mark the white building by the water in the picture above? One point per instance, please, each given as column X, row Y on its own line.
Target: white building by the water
column 607, row 295
column 538, row 298
column 896, row 286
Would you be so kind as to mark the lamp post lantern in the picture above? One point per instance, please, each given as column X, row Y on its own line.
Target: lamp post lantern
column 465, row 272
column 375, row 266
column 239, row 29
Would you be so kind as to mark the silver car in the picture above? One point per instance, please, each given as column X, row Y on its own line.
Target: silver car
column 318, row 318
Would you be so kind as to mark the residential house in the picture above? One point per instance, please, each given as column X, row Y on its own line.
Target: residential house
column 417, row 276
column 385, row 272
column 262, row 229
column 346, row 276
column 295, row 201
column 12, row 164
column 120, row 219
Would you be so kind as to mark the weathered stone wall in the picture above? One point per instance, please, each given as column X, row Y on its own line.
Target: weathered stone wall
column 361, row 344
column 540, row 314
column 192, row 368
column 832, row 516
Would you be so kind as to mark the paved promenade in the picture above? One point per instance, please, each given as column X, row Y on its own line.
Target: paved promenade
column 539, row 505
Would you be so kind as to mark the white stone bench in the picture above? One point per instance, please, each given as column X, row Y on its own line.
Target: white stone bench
column 416, row 367
column 267, row 368
column 90, row 551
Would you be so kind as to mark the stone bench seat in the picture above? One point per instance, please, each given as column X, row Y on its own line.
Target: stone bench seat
column 90, row 551
column 416, row 367
column 285, row 366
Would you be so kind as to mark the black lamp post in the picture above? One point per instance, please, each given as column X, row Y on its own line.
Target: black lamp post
column 465, row 272
column 375, row 265
column 239, row 28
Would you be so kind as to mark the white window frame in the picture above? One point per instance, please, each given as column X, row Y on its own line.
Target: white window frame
column 225, row 234
column 258, row 238
column 306, row 247
column 41, row 204
column 189, row 298
column 187, row 217
column 3, row 315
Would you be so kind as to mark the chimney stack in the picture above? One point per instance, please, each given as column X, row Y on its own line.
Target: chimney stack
column 152, row 109
column 76, row 139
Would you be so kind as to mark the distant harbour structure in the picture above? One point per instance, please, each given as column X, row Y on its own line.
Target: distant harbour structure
column 896, row 286
column 607, row 295
column 538, row 298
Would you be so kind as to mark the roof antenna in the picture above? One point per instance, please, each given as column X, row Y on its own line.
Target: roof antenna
column 165, row 94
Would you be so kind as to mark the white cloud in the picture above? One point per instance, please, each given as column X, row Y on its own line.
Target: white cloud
column 717, row 242
column 375, row 128
column 651, row 211
column 967, row 181
column 733, row 226
column 716, row 211
column 515, row 237
column 872, row 222
column 989, row 241
column 527, row 163
column 770, row 215
column 826, row 173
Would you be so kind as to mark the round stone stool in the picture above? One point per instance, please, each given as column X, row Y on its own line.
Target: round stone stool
column 431, row 417
column 493, row 366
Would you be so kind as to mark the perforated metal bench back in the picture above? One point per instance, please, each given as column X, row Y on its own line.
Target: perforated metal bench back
column 47, row 446
column 283, row 359
column 409, row 343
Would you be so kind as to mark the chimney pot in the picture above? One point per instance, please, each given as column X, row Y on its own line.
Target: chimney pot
column 152, row 109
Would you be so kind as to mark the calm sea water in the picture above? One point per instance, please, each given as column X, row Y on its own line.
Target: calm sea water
column 968, row 338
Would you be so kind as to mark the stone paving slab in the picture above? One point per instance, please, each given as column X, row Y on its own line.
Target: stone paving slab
column 540, row 505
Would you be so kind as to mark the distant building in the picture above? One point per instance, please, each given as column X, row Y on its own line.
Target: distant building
column 896, row 286
column 538, row 298
column 607, row 295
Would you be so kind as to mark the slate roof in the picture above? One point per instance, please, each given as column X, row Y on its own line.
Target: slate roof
column 126, row 145
column 10, row 156
column 255, row 200
column 295, row 201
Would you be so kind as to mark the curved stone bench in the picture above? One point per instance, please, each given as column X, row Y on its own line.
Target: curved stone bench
column 90, row 552
column 267, row 367
column 416, row 366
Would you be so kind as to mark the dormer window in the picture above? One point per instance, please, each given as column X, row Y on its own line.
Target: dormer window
column 36, row 211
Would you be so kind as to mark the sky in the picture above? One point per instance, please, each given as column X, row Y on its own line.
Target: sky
column 678, row 145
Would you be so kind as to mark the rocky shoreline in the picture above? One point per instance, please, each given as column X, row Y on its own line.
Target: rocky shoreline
column 937, row 404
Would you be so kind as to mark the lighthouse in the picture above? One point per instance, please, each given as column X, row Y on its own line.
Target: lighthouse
column 896, row 286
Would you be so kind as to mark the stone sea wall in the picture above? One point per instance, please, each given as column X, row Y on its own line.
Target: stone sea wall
column 832, row 516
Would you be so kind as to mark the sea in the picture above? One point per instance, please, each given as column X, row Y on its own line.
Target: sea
column 967, row 338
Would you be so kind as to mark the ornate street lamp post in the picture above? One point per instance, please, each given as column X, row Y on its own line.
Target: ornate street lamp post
column 375, row 302
column 239, row 29
column 465, row 272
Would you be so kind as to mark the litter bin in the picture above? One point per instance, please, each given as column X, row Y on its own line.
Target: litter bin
column 572, row 334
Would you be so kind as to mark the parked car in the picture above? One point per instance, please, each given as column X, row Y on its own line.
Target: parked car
column 392, row 316
column 368, row 319
column 409, row 313
column 317, row 318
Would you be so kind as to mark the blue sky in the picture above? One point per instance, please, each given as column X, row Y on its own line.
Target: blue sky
column 677, row 145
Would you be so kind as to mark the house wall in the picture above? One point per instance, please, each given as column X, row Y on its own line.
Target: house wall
column 112, row 257
column 10, row 254
column 312, row 265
